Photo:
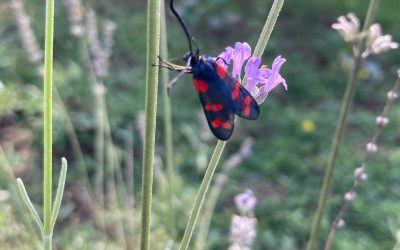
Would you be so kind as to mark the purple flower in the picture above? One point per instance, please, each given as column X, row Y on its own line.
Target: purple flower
column 238, row 55
column 246, row 201
column 243, row 230
column 261, row 80
column 227, row 56
column 272, row 79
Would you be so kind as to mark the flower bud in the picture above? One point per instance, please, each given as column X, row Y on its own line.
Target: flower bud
column 382, row 120
column 372, row 147
column 350, row 196
column 392, row 95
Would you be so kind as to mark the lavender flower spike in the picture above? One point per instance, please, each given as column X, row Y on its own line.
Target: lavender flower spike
column 260, row 80
column 246, row 202
column 272, row 80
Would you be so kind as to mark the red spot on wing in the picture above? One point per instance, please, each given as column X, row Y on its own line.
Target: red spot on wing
column 247, row 100
column 213, row 107
column 200, row 85
column 219, row 123
column 246, row 111
column 235, row 92
column 221, row 71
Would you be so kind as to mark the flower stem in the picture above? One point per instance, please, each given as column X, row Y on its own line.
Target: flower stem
column 339, row 131
column 198, row 203
column 153, row 42
column 167, row 120
column 356, row 183
column 268, row 28
column 47, row 121
column 219, row 148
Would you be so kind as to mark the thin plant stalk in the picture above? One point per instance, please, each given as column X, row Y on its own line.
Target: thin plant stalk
column 356, row 183
column 153, row 43
column 99, row 142
column 231, row 163
column 47, row 121
column 167, row 122
column 198, row 203
column 209, row 209
column 219, row 148
column 76, row 147
column 50, row 211
column 339, row 131
column 113, row 169
column 130, row 173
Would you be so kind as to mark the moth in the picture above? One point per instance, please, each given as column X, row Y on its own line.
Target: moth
column 221, row 95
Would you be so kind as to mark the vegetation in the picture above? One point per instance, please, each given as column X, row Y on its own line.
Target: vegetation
column 99, row 86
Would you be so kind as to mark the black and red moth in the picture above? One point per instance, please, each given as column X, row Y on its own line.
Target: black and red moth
column 221, row 95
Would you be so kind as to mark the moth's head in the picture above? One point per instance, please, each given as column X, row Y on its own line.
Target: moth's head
column 192, row 57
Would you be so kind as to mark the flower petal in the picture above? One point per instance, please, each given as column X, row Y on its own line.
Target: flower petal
column 252, row 72
column 240, row 55
column 226, row 56
column 273, row 80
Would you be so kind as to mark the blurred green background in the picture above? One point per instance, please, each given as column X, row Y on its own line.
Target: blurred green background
column 292, row 136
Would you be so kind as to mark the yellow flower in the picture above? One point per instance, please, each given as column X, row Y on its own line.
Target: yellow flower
column 308, row 126
column 363, row 74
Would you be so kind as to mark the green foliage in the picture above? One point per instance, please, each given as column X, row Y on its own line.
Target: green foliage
column 287, row 161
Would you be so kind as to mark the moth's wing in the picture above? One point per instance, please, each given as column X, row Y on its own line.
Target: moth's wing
column 220, row 117
column 241, row 101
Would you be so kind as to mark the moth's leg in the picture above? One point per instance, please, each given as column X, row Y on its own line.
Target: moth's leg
column 175, row 80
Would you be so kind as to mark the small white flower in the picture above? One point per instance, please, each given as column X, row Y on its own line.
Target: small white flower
column 382, row 120
column 372, row 147
column 348, row 27
column 360, row 174
column 377, row 42
column 243, row 230
column 341, row 223
column 349, row 196
column 392, row 95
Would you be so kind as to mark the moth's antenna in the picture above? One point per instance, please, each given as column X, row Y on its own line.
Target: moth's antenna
column 195, row 43
column 171, row 6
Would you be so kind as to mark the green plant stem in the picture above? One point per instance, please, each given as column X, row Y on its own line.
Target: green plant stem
column 47, row 241
column 268, row 28
column 266, row 31
column 339, row 131
column 153, row 42
column 99, row 141
column 209, row 207
column 47, row 121
column 198, row 204
column 167, row 122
